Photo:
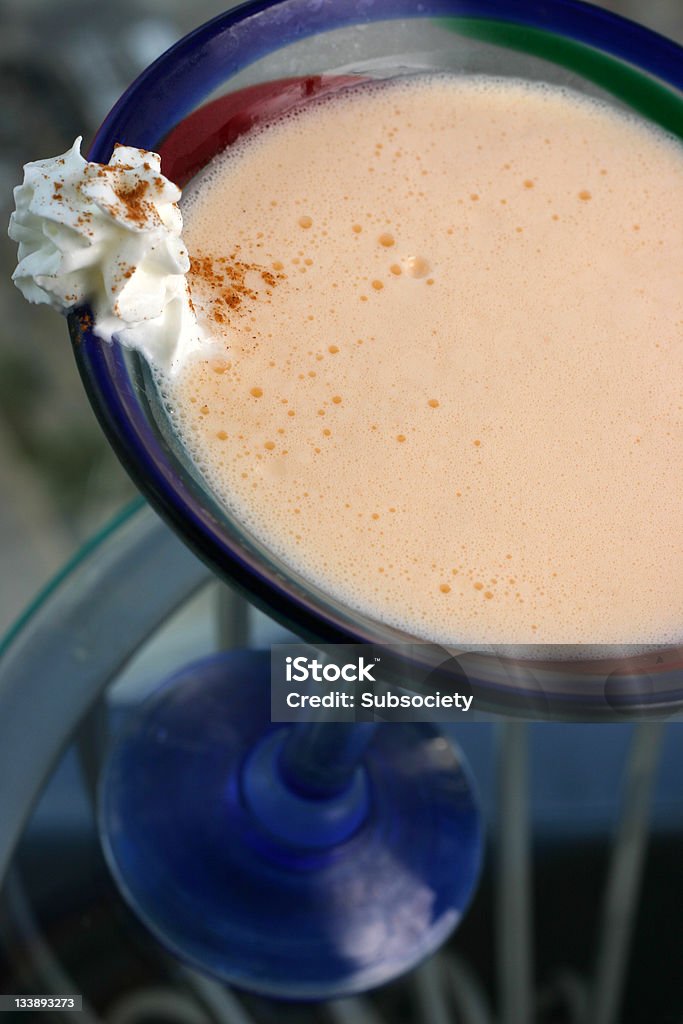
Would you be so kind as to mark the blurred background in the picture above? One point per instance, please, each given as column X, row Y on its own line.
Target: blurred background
column 62, row 66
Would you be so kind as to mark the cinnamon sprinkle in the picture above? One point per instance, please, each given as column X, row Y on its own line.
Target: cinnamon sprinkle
column 226, row 278
column 138, row 208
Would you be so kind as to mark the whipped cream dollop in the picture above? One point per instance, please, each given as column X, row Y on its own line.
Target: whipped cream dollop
column 108, row 235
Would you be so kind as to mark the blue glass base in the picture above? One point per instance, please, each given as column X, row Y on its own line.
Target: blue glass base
column 192, row 841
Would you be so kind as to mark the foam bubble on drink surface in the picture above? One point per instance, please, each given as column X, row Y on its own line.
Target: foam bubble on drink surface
column 447, row 378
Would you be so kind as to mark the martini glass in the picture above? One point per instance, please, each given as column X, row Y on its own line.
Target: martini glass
column 259, row 60
column 321, row 859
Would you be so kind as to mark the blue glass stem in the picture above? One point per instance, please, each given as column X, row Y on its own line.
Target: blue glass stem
column 319, row 759
column 305, row 786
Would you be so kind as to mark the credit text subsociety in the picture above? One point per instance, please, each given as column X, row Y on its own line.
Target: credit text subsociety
column 339, row 699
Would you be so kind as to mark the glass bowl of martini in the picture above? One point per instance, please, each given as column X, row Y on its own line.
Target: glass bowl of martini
column 433, row 250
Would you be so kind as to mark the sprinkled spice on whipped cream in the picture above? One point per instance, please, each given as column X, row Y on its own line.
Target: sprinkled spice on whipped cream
column 108, row 235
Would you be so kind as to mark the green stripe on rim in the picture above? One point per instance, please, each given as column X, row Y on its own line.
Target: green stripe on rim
column 641, row 93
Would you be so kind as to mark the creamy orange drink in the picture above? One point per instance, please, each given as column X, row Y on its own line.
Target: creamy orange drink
column 446, row 383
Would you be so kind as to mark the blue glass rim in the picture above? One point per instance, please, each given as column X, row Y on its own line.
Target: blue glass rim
column 574, row 19
column 162, row 96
